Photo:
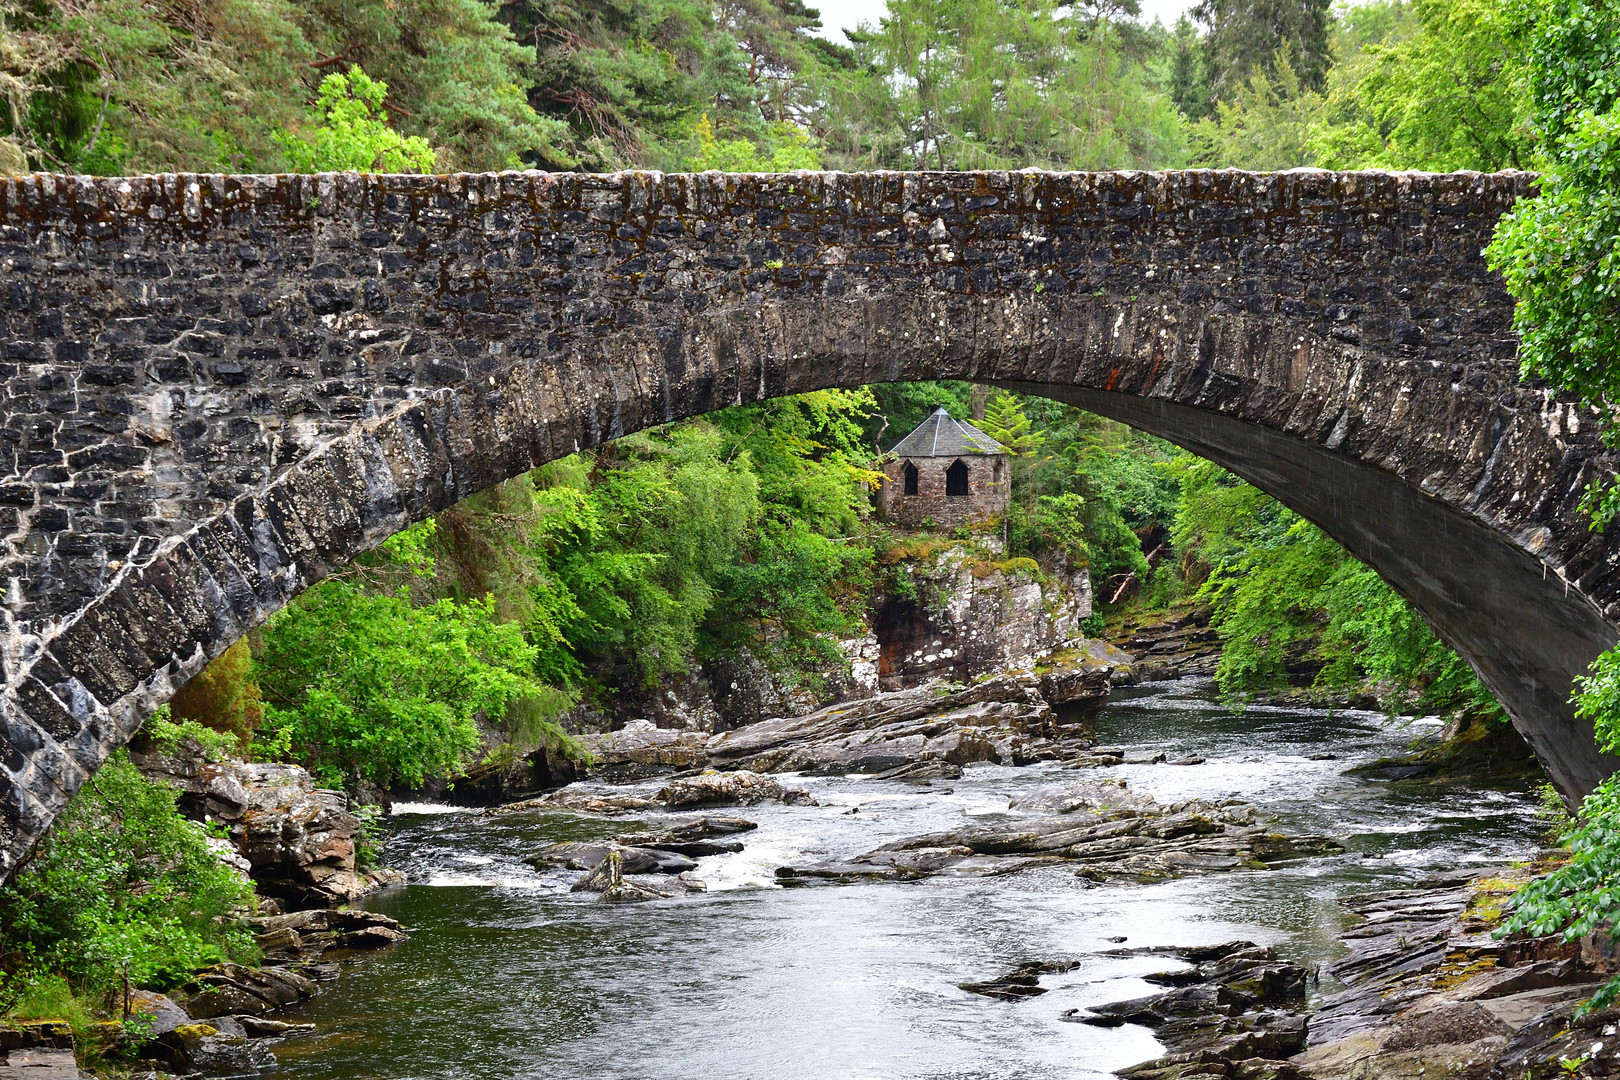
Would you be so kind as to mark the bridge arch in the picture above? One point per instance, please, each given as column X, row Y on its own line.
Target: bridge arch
column 219, row 388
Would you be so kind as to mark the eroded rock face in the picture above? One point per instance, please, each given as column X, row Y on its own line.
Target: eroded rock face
column 1103, row 829
column 969, row 612
column 298, row 840
column 640, row 749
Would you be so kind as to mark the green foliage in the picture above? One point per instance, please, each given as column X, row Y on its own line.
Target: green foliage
column 1056, row 525
column 1581, row 897
column 167, row 734
column 1443, row 96
column 360, row 686
column 1245, row 38
column 1425, row 84
column 982, row 84
column 1558, row 251
column 114, row 86
column 221, row 698
column 791, row 149
column 354, row 132
column 121, row 886
column 1005, row 422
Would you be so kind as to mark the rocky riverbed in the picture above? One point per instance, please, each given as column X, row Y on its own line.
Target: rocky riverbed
column 921, row 969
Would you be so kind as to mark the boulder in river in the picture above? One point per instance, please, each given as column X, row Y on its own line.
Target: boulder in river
column 1112, row 833
column 739, row 788
column 616, row 884
column 1023, row 981
column 697, row 838
column 580, row 801
column 590, row 855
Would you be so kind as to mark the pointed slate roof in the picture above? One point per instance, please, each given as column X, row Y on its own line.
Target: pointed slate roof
column 941, row 436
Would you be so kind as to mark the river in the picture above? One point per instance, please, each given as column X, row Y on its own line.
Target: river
column 509, row 975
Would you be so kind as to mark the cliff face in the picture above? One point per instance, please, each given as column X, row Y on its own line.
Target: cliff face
column 956, row 611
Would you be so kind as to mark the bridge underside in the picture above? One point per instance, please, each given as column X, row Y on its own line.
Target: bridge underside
column 1486, row 597
column 219, row 388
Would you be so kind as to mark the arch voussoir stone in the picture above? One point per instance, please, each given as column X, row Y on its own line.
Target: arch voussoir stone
column 217, row 389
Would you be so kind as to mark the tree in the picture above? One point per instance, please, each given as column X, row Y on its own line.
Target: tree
column 1005, row 422
column 1005, row 84
column 1243, row 38
column 121, row 887
column 1189, row 71
column 365, row 687
column 1440, row 95
column 223, row 695
column 354, row 133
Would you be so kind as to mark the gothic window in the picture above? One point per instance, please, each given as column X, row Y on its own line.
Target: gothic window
column 956, row 480
column 910, row 472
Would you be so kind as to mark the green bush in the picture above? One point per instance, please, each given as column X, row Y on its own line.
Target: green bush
column 120, row 887
column 359, row 686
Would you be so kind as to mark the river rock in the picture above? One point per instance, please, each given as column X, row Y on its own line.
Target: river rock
column 226, row 989
column 576, row 855
column 1003, row 720
column 695, row 839
column 739, row 788
column 1431, row 993
column 306, row 935
column 1237, row 1012
column 299, row 840
column 1023, row 981
column 579, row 801
column 640, row 749
column 1113, row 834
column 616, row 886
column 204, row 1047
column 37, row 1050
column 1076, row 681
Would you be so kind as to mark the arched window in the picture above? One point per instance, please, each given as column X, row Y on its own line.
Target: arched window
column 910, row 472
column 956, row 480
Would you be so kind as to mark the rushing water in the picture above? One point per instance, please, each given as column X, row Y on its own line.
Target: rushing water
column 509, row 975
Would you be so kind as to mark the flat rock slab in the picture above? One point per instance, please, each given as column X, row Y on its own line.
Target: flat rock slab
column 1112, row 833
column 39, row 1065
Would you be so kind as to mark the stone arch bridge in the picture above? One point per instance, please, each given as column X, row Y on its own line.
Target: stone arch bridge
column 217, row 388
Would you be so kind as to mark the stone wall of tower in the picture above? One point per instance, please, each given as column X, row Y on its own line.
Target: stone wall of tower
column 989, row 489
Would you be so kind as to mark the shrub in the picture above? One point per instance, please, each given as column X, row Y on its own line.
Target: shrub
column 121, row 887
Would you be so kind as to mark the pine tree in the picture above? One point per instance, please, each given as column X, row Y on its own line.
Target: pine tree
column 1244, row 37
column 1005, row 422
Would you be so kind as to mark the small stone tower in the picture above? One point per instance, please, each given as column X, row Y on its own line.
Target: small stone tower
column 947, row 473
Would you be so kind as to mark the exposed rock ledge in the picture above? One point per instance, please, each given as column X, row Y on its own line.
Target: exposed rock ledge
column 1429, row 993
column 1040, row 714
column 1103, row 829
column 299, row 841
